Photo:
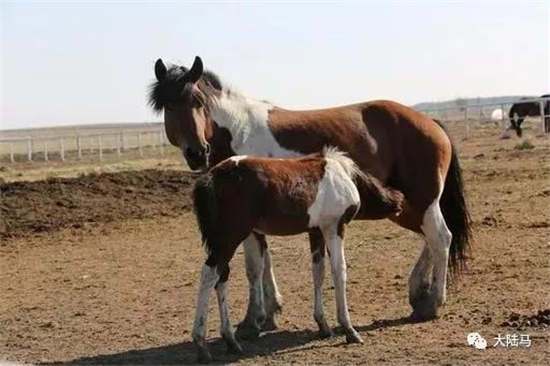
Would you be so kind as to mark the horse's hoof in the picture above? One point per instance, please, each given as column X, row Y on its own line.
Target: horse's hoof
column 204, row 356
column 325, row 333
column 247, row 331
column 269, row 325
column 353, row 337
column 233, row 347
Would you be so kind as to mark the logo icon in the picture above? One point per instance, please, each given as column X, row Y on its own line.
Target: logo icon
column 476, row 340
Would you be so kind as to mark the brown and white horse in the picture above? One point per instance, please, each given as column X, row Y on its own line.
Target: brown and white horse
column 401, row 147
column 315, row 194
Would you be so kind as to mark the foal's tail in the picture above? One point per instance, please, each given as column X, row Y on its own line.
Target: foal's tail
column 455, row 211
column 206, row 209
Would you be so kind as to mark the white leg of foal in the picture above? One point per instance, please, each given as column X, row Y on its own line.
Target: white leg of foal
column 438, row 238
column 251, row 325
column 226, row 329
column 209, row 277
column 339, row 276
column 318, row 270
column 272, row 296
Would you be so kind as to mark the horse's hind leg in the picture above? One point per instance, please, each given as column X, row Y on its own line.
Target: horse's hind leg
column 317, row 245
column 250, row 327
column 339, row 276
column 420, row 281
column 438, row 239
column 226, row 329
column 209, row 278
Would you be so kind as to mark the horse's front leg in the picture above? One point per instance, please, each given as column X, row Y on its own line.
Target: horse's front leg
column 209, row 277
column 254, row 253
column 339, row 277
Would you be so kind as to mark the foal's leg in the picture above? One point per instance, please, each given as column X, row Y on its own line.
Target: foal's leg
column 209, row 277
column 339, row 276
column 226, row 329
column 438, row 239
column 272, row 297
column 317, row 245
column 255, row 316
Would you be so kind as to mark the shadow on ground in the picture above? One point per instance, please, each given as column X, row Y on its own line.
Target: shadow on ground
column 184, row 353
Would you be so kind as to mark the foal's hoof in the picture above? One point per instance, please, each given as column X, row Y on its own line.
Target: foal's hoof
column 325, row 333
column 204, row 356
column 353, row 337
column 247, row 331
column 234, row 348
column 269, row 325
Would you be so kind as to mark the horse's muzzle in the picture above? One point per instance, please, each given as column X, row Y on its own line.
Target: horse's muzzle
column 197, row 159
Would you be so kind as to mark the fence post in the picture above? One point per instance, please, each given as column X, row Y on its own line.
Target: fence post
column 62, row 149
column 139, row 144
column 12, row 159
column 100, row 147
column 29, row 149
column 502, row 118
column 466, row 122
column 122, row 144
column 118, row 144
column 78, row 147
column 45, row 150
column 542, row 117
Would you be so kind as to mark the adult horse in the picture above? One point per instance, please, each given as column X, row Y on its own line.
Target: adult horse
column 520, row 110
column 403, row 148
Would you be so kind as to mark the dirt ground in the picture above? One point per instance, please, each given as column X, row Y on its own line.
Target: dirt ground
column 103, row 269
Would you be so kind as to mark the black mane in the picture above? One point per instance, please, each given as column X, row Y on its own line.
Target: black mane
column 172, row 88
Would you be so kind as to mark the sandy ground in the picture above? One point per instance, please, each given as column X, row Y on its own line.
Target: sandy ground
column 121, row 288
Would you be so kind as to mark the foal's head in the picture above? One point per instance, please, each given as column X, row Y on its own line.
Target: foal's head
column 183, row 96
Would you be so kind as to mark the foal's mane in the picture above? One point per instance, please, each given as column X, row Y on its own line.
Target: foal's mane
column 173, row 87
column 349, row 166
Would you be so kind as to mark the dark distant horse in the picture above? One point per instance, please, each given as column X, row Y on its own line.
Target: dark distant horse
column 520, row 110
column 317, row 194
column 402, row 148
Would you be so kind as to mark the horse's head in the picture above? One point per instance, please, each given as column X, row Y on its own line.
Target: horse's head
column 186, row 118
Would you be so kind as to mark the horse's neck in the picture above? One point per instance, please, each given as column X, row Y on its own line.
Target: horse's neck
column 247, row 121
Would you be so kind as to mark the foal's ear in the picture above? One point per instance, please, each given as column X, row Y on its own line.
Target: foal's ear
column 194, row 74
column 160, row 70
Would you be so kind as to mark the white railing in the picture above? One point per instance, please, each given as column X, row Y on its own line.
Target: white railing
column 477, row 113
column 80, row 145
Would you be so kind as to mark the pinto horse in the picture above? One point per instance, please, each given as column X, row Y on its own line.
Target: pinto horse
column 401, row 147
column 520, row 110
column 315, row 194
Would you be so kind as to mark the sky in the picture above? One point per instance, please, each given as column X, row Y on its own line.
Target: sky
column 91, row 62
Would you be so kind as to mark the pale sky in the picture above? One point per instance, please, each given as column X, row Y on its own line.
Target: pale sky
column 72, row 63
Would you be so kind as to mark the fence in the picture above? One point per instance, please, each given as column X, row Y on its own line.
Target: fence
column 82, row 145
column 479, row 113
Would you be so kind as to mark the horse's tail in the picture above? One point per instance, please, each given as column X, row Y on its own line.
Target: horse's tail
column 455, row 211
column 206, row 209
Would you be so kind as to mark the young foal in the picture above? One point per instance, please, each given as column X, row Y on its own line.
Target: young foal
column 315, row 194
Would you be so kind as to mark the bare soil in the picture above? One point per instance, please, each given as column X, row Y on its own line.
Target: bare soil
column 103, row 269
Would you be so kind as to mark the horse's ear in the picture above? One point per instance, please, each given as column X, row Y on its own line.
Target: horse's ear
column 160, row 70
column 194, row 74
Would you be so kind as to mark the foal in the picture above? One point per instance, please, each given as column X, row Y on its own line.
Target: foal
column 315, row 194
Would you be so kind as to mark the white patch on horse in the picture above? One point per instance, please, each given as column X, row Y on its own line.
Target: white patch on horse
column 246, row 119
column 438, row 239
column 237, row 158
column 336, row 191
